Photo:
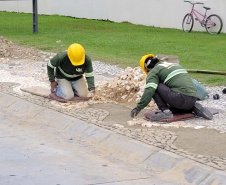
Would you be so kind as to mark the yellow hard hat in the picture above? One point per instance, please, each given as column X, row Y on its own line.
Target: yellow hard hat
column 76, row 54
column 142, row 61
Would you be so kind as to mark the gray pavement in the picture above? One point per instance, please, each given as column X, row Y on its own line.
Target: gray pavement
column 40, row 145
column 34, row 152
column 29, row 157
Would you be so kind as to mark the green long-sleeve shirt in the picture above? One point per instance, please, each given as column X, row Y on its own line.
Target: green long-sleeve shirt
column 60, row 67
column 172, row 75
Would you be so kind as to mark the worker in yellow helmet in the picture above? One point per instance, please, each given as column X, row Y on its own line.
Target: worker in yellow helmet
column 66, row 73
column 171, row 87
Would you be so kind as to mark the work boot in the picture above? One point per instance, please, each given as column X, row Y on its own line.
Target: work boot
column 166, row 114
column 201, row 111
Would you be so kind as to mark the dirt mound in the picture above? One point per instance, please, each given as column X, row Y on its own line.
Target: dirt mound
column 8, row 49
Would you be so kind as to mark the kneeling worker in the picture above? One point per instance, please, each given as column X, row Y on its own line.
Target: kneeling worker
column 65, row 72
column 171, row 87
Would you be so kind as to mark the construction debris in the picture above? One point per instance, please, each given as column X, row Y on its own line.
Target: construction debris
column 127, row 88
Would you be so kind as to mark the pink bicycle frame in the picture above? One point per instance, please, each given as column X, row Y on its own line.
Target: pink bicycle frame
column 195, row 12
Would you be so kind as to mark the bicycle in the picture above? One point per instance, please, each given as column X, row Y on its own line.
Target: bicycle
column 212, row 23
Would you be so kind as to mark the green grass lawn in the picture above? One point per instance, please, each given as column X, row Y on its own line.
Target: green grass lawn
column 120, row 43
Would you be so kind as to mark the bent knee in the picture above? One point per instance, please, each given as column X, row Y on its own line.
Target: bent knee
column 83, row 94
column 68, row 96
column 65, row 94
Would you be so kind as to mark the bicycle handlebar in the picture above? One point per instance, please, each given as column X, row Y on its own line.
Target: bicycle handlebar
column 193, row 3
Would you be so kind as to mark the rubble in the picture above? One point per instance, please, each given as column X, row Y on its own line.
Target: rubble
column 127, row 88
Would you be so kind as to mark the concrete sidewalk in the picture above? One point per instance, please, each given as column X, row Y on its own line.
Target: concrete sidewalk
column 32, row 154
column 132, row 147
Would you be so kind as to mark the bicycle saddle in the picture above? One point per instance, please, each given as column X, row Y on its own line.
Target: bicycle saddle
column 207, row 8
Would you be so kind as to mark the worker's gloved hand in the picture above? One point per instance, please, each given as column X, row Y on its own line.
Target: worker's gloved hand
column 53, row 86
column 134, row 112
column 91, row 94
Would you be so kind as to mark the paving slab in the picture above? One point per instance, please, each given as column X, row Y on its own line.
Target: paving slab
column 127, row 148
column 96, row 134
column 6, row 100
column 197, row 174
column 216, row 177
column 56, row 119
column 22, row 108
column 163, row 160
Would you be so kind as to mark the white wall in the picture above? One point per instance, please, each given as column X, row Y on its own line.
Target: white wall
column 158, row 13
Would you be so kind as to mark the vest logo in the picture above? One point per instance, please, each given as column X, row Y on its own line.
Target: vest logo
column 79, row 69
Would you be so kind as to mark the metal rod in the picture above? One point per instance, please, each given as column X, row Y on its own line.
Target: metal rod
column 207, row 72
column 35, row 16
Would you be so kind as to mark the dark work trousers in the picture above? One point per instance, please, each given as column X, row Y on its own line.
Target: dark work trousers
column 165, row 98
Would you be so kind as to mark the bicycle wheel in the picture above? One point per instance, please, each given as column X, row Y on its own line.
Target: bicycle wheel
column 188, row 22
column 213, row 24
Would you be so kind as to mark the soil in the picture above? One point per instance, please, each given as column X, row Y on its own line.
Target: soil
column 202, row 141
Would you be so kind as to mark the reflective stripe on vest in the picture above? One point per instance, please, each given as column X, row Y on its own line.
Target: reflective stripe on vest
column 50, row 65
column 153, row 85
column 174, row 73
column 89, row 74
column 67, row 75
